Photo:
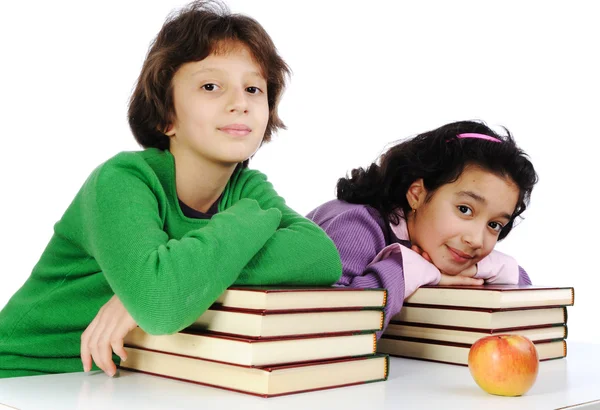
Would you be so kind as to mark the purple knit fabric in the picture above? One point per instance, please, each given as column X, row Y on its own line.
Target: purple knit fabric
column 358, row 233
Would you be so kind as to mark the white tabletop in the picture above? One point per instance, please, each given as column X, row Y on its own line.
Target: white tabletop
column 412, row 384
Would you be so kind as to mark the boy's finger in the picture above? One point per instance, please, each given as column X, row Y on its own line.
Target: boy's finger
column 84, row 349
column 117, row 347
column 86, row 358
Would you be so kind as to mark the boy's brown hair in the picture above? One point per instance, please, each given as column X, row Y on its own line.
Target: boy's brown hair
column 192, row 34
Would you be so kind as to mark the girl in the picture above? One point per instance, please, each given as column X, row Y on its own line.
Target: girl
column 154, row 237
column 430, row 212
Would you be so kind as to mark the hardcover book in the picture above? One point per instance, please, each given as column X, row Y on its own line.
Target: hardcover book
column 274, row 323
column 454, row 353
column 471, row 335
column 480, row 318
column 493, row 296
column 277, row 298
column 256, row 352
column 262, row 381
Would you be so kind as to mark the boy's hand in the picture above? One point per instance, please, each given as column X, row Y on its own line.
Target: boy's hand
column 463, row 278
column 104, row 335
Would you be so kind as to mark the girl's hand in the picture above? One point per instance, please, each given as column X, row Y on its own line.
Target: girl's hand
column 449, row 280
column 463, row 278
column 104, row 335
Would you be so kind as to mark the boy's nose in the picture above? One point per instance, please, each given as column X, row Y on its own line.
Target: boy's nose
column 238, row 101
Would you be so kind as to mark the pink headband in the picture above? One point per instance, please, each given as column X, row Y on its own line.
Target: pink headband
column 479, row 136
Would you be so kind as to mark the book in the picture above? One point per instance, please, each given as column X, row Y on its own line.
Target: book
column 493, row 296
column 273, row 323
column 256, row 352
column 272, row 298
column 454, row 353
column 470, row 335
column 480, row 318
column 262, row 381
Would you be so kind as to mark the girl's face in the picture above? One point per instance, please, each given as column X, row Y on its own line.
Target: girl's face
column 221, row 107
column 460, row 223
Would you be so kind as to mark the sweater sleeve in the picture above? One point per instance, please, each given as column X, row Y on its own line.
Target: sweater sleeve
column 359, row 240
column 299, row 253
column 499, row 268
column 165, row 284
column 523, row 277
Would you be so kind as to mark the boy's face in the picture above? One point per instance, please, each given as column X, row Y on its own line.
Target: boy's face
column 460, row 223
column 221, row 107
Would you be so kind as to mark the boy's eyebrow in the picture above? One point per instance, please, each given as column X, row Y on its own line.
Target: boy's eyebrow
column 206, row 70
column 217, row 70
column 480, row 199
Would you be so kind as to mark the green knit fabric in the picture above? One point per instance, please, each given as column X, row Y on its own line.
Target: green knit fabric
column 125, row 234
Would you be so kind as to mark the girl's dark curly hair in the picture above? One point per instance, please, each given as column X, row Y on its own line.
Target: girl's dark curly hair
column 439, row 157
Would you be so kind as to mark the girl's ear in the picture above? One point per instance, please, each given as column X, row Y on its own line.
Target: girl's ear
column 416, row 194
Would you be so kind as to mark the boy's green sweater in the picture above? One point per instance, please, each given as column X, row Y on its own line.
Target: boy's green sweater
column 125, row 234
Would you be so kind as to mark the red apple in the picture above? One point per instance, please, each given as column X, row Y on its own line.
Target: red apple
column 505, row 365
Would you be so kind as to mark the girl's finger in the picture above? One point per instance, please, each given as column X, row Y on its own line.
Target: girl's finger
column 426, row 256
column 472, row 281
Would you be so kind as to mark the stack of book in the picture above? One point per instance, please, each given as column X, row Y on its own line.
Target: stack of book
column 270, row 342
column 440, row 323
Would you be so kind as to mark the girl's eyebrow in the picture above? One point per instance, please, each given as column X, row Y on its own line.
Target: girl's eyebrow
column 481, row 200
column 473, row 195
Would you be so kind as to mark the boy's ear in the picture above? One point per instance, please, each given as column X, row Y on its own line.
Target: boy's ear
column 170, row 130
column 416, row 194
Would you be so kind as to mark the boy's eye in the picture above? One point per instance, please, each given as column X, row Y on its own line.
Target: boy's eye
column 496, row 226
column 209, row 87
column 253, row 90
column 465, row 210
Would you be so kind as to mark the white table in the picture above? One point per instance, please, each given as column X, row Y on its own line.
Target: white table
column 412, row 384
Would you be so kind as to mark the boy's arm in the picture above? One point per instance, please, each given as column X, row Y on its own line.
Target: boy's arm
column 299, row 253
column 165, row 284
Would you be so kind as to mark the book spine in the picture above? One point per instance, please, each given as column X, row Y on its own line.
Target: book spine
column 386, row 370
column 572, row 296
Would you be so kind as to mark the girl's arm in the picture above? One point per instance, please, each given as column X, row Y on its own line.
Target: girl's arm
column 360, row 242
column 368, row 263
column 299, row 253
column 165, row 284
column 499, row 268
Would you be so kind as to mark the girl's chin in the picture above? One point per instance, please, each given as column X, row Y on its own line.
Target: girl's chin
column 451, row 270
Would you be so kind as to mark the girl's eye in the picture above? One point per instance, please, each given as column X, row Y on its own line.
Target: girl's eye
column 465, row 210
column 496, row 226
column 209, row 87
column 253, row 90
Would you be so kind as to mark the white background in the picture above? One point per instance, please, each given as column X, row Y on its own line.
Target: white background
column 365, row 74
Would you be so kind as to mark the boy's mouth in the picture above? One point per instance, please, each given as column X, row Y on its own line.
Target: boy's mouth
column 239, row 130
